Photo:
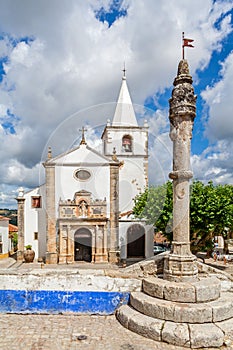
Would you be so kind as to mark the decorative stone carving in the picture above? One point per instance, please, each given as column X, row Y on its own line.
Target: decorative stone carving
column 183, row 100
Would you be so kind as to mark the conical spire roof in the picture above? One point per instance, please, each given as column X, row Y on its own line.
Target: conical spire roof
column 124, row 112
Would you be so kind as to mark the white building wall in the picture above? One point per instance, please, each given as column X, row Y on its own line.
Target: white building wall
column 66, row 184
column 35, row 221
column 42, row 225
column 132, row 181
column 149, row 237
column 133, row 176
column 4, row 231
column 113, row 138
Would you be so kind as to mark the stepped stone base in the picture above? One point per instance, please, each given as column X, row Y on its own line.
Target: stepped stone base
column 205, row 289
column 192, row 315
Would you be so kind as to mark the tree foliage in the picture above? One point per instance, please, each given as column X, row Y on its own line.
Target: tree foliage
column 155, row 205
column 211, row 211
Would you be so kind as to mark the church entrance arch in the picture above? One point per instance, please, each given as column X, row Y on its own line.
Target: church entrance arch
column 82, row 245
column 136, row 241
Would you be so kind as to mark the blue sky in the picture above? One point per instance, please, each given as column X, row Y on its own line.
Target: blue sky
column 60, row 68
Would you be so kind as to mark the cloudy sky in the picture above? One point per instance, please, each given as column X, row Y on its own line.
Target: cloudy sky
column 60, row 69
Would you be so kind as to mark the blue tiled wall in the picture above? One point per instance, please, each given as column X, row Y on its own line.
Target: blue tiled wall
column 52, row 302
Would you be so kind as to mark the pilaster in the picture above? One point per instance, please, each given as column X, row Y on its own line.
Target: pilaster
column 21, row 203
column 114, row 211
column 51, row 254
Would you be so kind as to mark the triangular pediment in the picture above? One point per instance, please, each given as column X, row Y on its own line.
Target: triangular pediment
column 82, row 154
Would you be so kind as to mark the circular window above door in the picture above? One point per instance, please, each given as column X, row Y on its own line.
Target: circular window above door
column 82, row 174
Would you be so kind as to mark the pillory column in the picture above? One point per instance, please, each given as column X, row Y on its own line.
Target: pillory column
column 180, row 265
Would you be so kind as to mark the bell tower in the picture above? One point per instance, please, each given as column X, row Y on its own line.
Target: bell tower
column 129, row 142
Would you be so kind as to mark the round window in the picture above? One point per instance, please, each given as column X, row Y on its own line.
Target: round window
column 82, row 174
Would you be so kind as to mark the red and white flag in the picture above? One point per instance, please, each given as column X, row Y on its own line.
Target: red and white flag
column 186, row 42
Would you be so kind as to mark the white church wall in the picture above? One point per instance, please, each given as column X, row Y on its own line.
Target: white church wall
column 67, row 184
column 139, row 141
column 149, row 243
column 81, row 154
column 149, row 237
column 132, row 182
column 123, row 226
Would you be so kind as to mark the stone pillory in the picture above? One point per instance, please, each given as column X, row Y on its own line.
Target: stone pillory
column 180, row 264
column 181, row 308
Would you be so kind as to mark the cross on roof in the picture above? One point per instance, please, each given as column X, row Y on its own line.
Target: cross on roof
column 124, row 70
column 83, row 141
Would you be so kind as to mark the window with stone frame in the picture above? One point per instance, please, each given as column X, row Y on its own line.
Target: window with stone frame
column 36, row 201
column 127, row 143
column 36, row 236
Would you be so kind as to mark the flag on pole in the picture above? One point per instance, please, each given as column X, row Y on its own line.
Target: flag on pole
column 186, row 42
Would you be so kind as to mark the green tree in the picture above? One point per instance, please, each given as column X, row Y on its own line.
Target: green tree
column 155, row 205
column 211, row 211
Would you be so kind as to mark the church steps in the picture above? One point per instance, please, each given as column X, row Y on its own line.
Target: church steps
column 213, row 311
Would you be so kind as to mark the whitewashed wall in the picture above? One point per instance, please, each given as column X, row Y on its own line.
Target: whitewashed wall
column 4, row 230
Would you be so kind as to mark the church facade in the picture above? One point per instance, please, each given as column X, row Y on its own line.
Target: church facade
column 83, row 211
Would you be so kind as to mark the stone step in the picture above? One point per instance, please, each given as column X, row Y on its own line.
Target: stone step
column 204, row 290
column 181, row 334
column 214, row 311
column 147, row 326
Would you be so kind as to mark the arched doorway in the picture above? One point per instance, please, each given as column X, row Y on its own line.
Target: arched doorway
column 82, row 245
column 136, row 241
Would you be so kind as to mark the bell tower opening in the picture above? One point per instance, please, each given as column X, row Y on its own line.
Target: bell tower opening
column 127, row 143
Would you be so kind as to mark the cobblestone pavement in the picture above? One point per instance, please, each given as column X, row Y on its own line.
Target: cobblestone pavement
column 62, row 332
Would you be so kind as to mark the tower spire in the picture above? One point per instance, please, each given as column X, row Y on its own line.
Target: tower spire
column 124, row 113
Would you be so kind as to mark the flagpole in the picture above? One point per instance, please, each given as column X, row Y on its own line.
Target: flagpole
column 183, row 45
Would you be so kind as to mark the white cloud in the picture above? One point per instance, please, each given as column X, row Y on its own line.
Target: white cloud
column 219, row 101
column 215, row 163
column 73, row 62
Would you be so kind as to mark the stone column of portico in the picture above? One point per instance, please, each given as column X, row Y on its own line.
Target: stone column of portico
column 114, row 211
column 51, row 253
column 180, row 265
column 20, row 218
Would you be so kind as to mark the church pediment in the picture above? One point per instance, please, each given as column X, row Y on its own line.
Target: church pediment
column 79, row 156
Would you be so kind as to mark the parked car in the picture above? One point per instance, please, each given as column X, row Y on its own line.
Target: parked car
column 159, row 249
